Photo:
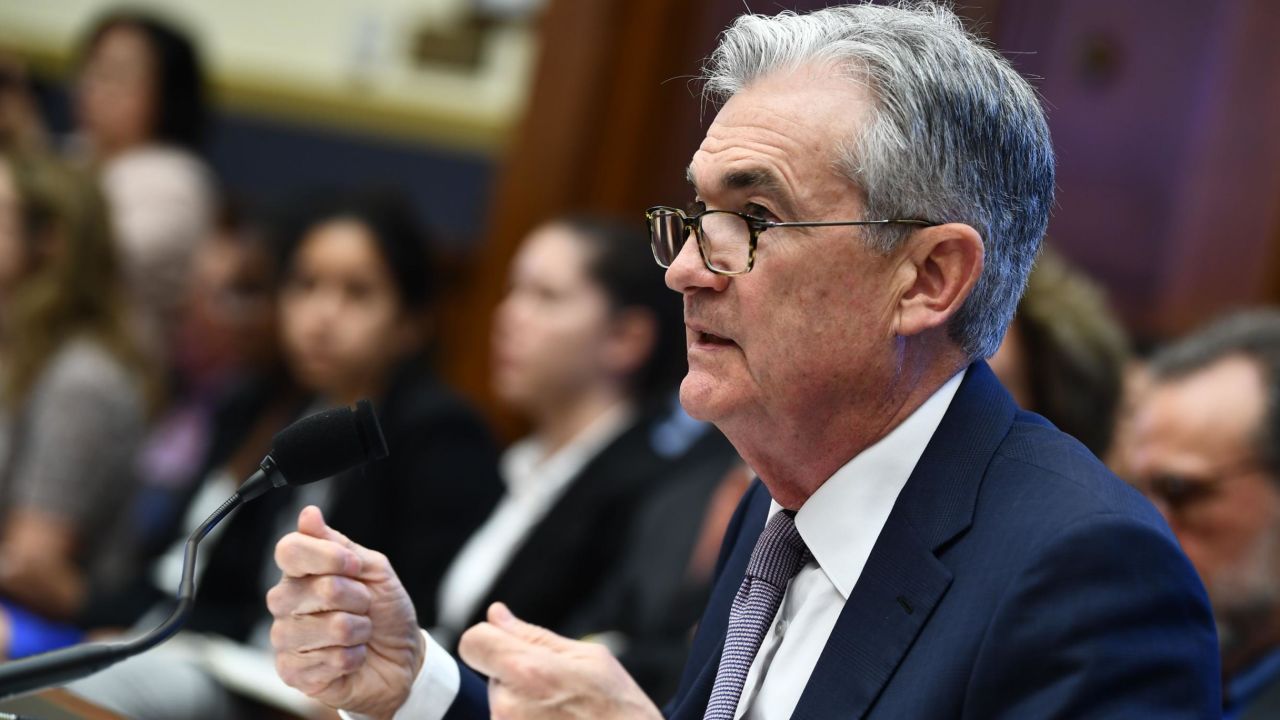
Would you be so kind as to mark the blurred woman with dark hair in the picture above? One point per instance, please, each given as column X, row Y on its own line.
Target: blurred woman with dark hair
column 141, row 119
column 354, row 316
column 72, row 396
column 588, row 344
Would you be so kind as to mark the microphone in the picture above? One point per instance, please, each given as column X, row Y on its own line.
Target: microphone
column 313, row 448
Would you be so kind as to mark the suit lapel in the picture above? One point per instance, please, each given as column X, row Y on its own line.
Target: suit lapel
column 903, row 580
column 708, row 642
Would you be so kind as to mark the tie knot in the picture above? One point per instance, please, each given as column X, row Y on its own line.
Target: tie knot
column 780, row 552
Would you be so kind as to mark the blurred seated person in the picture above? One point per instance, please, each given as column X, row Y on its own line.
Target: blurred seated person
column 21, row 127
column 226, row 348
column 1206, row 450
column 652, row 599
column 353, row 318
column 140, row 113
column 1064, row 355
column 588, row 345
column 73, row 400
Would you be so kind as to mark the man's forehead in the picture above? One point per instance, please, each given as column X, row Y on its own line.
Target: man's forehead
column 1220, row 405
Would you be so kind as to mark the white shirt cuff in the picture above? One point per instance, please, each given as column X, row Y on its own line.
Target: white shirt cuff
column 433, row 691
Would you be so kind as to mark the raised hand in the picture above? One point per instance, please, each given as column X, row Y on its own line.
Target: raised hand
column 345, row 632
column 534, row 673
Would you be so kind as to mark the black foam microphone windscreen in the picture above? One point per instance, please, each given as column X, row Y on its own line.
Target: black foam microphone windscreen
column 327, row 443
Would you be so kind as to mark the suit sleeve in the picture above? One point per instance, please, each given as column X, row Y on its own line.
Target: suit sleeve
column 1109, row 621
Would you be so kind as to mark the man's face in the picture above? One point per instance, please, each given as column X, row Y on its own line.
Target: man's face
column 1193, row 453
column 811, row 327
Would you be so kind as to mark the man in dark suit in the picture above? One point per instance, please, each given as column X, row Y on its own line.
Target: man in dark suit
column 869, row 201
column 1205, row 448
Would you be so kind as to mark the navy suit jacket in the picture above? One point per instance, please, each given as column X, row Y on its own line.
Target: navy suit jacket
column 1015, row 578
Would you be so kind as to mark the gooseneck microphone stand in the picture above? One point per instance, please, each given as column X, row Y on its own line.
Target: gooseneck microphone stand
column 63, row 666
column 313, row 448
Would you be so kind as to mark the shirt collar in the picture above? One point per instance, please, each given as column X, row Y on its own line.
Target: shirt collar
column 526, row 465
column 841, row 521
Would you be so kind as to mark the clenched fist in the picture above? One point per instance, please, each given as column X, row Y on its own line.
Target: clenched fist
column 345, row 632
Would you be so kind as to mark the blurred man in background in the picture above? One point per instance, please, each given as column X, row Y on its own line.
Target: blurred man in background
column 1206, row 450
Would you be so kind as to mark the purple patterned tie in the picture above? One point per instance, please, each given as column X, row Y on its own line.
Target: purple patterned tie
column 778, row 556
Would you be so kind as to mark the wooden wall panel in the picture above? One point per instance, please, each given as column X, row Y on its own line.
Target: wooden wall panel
column 1163, row 116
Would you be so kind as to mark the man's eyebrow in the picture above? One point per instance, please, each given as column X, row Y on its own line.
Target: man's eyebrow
column 756, row 179
column 761, row 179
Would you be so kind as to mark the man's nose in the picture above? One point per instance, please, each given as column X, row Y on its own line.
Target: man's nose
column 688, row 272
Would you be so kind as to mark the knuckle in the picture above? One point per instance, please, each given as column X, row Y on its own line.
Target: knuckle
column 286, row 670
column 345, row 628
column 379, row 561
column 286, row 553
column 340, row 626
column 277, row 598
column 348, row 660
column 600, row 652
column 328, row 590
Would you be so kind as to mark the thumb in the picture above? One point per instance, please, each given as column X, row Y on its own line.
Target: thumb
column 501, row 616
column 311, row 522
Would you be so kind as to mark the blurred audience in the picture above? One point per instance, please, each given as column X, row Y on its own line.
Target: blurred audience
column 1065, row 352
column 73, row 399
column 354, row 319
column 141, row 117
column 588, row 344
column 226, row 355
column 1206, row 450
column 21, row 127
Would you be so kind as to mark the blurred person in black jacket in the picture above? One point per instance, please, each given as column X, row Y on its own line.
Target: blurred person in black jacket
column 353, row 316
column 588, row 344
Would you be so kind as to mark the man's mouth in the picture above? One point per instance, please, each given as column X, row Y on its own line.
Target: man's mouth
column 707, row 338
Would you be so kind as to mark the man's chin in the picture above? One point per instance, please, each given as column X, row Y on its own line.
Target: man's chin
column 703, row 397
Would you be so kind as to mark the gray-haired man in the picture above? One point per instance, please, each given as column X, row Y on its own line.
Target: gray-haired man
column 869, row 200
column 1206, row 449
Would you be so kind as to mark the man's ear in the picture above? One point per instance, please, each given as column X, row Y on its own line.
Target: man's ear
column 939, row 268
column 633, row 337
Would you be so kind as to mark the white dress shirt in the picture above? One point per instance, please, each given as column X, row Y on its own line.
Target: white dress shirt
column 535, row 481
column 839, row 523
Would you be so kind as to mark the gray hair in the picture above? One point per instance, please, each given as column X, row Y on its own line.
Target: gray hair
column 1251, row 334
column 955, row 134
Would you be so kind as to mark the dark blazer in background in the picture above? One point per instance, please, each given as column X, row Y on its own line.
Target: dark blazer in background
column 1015, row 578
column 418, row 506
column 649, row 601
column 563, row 560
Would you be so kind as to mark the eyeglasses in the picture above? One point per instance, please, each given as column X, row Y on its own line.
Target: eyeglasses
column 1180, row 493
column 726, row 239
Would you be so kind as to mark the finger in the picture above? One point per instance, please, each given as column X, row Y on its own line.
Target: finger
column 320, row 593
column 311, row 522
column 501, row 616
column 304, row 633
column 300, row 555
column 319, row 668
column 372, row 565
column 490, row 650
column 319, row 673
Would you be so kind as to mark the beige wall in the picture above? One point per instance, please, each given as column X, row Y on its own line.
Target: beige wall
column 345, row 62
